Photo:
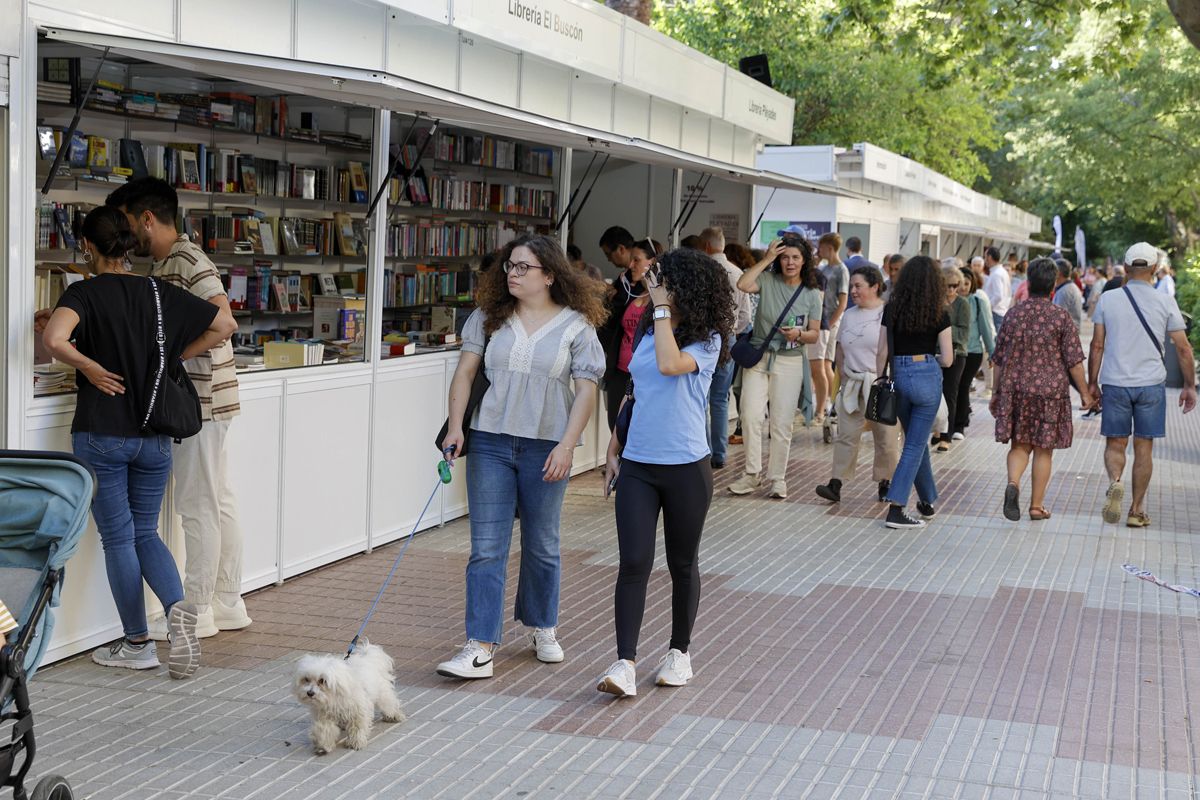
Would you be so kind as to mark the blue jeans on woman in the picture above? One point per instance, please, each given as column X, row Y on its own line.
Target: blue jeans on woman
column 131, row 477
column 504, row 475
column 919, row 390
column 718, row 411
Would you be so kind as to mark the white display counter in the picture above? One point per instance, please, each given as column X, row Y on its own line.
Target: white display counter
column 328, row 462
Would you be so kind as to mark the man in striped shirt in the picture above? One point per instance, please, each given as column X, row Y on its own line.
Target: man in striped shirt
column 203, row 494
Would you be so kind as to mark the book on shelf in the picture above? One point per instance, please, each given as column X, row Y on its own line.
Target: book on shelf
column 133, row 157
column 358, row 182
column 329, row 285
column 235, row 287
column 328, row 319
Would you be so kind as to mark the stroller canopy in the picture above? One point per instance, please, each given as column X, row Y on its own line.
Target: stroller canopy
column 44, row 502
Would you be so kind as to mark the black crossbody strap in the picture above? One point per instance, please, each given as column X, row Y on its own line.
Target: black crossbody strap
column 161, row 338
column 1145, row 325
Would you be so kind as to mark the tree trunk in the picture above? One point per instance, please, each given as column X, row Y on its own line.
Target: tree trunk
column 641, row 9
column 1187, row 14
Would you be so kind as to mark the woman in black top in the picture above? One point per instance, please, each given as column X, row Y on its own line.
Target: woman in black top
column 916, row 318
column 112, row 319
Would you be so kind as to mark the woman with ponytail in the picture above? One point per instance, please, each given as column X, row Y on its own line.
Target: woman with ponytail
column 112, row 319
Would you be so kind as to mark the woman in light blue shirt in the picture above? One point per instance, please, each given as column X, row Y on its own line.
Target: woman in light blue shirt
column 534, row 334
column 664, row 467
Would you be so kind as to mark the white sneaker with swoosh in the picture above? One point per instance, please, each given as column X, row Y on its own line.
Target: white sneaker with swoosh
column 473, row 661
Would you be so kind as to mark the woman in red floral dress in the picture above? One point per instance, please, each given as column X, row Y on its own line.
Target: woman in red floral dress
column 1037, row 348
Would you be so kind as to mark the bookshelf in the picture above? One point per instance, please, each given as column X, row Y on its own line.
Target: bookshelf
column 468, row 196
column 279, row 207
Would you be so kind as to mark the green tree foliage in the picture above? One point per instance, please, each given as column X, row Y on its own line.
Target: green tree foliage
column 847, row 88
column 1117, row 147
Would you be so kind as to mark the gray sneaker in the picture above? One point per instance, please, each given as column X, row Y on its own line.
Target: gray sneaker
column 184, row 657
column 123, row 653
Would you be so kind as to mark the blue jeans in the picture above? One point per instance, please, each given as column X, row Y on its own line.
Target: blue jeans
column 131, row 477
column 1141, row 410
column 718, row 411
column 919, row 386
column 504, row 474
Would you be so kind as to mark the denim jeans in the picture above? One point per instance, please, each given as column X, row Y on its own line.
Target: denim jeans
column 718, row 411
column 504, row 474
column 131, row 477
column 919, row 387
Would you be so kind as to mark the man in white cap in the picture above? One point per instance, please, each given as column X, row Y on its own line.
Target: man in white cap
column 1126, row 364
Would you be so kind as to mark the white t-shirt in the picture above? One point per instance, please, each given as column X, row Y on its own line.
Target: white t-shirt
column 859, row 338
column 1130, row 358
column 1166, row 285
column 998, row 288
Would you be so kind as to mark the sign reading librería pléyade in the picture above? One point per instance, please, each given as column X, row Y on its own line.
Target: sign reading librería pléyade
column 533, row 15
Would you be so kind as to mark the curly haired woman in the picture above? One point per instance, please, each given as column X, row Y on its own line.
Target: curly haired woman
column 778, row 379
column 665, row 466
column 534, row 333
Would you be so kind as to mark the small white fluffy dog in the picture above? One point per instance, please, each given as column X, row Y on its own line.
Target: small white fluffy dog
column 343, row 693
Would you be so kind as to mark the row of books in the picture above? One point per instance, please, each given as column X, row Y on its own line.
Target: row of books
column 58, row 225
column 196, row 166
column 454, row 194
column 263, row 287
column 490, row 151
column 436, row 237
column 49, row 283
column 247, row 231
column 265, row 115
column 428, row 285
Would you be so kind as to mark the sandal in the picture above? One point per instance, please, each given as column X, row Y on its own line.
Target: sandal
column 1138, row 519
column 1012, row 500
column 1039, row 512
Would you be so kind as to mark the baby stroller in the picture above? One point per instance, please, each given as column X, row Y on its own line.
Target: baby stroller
column 44, row 501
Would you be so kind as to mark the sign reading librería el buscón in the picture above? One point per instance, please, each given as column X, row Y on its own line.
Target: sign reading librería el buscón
column 532, row 14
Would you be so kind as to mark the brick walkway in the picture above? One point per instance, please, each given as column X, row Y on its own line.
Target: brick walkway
column 834, row 658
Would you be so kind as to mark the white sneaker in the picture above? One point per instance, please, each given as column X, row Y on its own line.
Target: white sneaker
column 746, row 484
column 779, row 489
column 676, row 669
column 227, row 618
column 124, row 653
column 620, row 680
column 183, row 659
column 473, row 661
column 958, row 436
column 544, row 642
column 205, row 626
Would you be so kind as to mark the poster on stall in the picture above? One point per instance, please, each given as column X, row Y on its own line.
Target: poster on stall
column 769, row 229
column 730, row 225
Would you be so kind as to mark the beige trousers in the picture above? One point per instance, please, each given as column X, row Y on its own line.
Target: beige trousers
column 205, row 500
column 850, row 428
column 780, row 390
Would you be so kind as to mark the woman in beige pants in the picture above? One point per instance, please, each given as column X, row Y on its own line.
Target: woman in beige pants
column 787, row 269
column 857, row 348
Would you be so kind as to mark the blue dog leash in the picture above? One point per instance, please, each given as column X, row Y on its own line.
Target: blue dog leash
column 444, row 476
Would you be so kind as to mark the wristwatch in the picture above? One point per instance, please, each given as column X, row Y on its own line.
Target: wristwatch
column 662, row 312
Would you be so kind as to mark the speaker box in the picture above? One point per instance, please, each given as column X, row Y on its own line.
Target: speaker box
column 756, row 67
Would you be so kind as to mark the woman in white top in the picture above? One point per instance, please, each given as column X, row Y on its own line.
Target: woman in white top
column 857, row 348
column 535, row 335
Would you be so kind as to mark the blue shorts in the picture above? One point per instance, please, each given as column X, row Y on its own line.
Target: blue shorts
column 1142, row 408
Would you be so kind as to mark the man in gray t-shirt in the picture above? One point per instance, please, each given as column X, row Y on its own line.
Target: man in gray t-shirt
column 837, row 287
column 1132, row 325
column 1066, row 294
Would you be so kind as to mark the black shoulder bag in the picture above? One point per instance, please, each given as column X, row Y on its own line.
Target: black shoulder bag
column 1145, row 325
column 174, row 408
column 882, row 403
column 479, row 387
column 747, row 355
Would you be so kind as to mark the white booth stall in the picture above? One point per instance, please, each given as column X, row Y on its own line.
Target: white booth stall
column 298, row 110
column 892, row 203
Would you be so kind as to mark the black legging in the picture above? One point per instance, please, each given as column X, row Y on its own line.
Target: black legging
column 950, row 378
column 683, row 493
column 615, row 381
column 962, row 413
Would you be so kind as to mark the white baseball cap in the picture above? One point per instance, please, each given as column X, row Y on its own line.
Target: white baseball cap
column 1141, row 254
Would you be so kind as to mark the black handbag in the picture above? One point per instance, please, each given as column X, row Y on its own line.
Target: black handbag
column 625, row 413
column 174, row 407
column 746, row 355
column 479, row 387
column 883, row 404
